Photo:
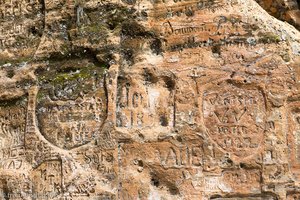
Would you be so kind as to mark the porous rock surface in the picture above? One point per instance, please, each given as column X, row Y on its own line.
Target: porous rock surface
column 286, row 10
column 149, row 99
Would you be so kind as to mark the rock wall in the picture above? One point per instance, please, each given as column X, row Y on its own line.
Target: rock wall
column 286, row 10
column 149, row 99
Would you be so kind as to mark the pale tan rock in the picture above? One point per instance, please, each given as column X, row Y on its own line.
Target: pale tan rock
column 138, row 99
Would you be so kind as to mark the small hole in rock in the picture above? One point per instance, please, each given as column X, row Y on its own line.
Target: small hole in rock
column 156, row 46
column 229, row 161
column 10, row 73
column 174, row 190
column 149, row 77
column 141, row 136
column 179, row 139
column 155, row 182
column 163, row 120
column 33, row 30
column 170, row 84
column 216, row 49
column 140, row 163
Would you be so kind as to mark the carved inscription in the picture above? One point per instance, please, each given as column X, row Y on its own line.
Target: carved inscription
column 234, row 118
column 243, row 181
column 294, row 138
column 102, row 161
column 82, row 188
column 169, row 165
column 48, row 179
column 219, row 27
column 185, row 8
column 16, row 186
column 214, row 32
column 168, row 155
column 72, row 106
column 240, row 180
column 186, row 168
column 150, row 105
column 296, row 133
column 209, row 184
column 12, row 131
column 148, row 99
column 21, row 25
column 186, row 156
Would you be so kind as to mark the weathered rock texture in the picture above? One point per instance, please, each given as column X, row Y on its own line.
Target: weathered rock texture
column 287, row 10
column 149, row 99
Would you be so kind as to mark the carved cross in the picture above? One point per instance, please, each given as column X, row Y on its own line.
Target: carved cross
column 196, row 75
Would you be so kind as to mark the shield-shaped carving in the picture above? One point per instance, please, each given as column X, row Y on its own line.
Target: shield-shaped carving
column 71, row 103
column 234, row 118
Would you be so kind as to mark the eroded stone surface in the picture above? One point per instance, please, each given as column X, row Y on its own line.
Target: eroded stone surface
column 22, row 25
column 138, row 99
column 71, row 102
column 286, row 10
column 235, row 117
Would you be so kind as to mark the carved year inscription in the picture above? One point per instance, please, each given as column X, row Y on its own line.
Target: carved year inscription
column 234, row 118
